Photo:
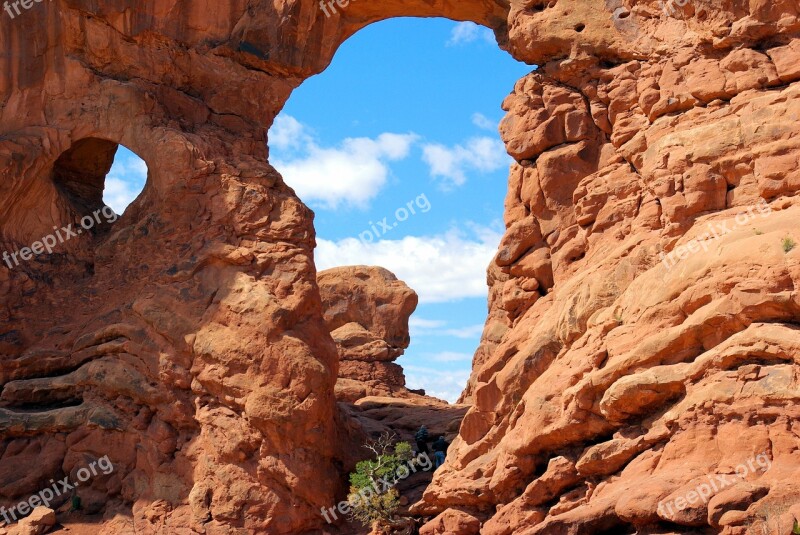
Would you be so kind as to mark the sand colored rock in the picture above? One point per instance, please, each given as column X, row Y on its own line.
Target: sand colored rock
column 188, row 341
column 40, row 521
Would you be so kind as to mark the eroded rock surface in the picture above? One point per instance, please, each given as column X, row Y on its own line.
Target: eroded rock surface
column 187, row 339
column 366, row 310
column 648, row 286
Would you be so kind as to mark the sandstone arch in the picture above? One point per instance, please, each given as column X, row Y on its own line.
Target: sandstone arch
column 208, row 298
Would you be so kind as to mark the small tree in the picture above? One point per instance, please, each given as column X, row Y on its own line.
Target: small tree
column 373, row 508
column 373, row 497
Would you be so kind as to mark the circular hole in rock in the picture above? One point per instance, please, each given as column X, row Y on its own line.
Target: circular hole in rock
column 94, row 173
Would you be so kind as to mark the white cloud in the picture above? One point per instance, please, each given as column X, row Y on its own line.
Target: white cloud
column 287, row 133
column 440, row 268
column 468, row 32
column 421, row 323
column 470, row 331
column 484, row 154
column 351, row 174
column 124, row 181
column 483, row 122
column 443, row 384
column 449, row 356
column 425, row 327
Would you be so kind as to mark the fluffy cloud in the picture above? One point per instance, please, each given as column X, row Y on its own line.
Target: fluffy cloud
column 483, row 154
column 440, row 268
column 443, row 384
column 468, row 32
column 125, row 180
column 287, row 133
column 350, row 174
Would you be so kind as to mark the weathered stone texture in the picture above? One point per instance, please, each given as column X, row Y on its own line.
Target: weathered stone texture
column 187, row 340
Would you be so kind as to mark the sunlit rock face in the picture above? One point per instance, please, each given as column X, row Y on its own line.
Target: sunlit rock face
column 642, row 336
column 366, row 309
column 644, row 328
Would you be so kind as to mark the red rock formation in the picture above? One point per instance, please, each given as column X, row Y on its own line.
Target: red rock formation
column 649, row 293
column 366, row 310
column 187, row 340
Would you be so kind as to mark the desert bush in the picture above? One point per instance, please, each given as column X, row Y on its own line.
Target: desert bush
column 373, row 498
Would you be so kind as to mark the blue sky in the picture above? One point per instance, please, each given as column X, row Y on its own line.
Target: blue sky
column 395, row 148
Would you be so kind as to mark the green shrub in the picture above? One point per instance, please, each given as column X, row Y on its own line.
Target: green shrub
column 788, row 244
column 369, row 500
column 373, row 508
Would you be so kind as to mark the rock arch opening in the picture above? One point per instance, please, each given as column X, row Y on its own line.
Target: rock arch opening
column 125, row 181
column 96, row 174
column 51, row 220
column 406, row 170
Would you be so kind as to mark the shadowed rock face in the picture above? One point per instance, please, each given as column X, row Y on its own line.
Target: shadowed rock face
column 188, row 342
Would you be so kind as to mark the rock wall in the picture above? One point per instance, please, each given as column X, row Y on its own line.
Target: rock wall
column 187, row 341
column 645, row 289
